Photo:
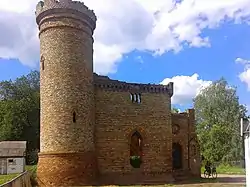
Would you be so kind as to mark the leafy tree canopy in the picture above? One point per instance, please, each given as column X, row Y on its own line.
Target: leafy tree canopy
column 19, row 110
column 218, row 114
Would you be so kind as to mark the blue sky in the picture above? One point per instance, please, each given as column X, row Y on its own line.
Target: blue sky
column 187, row 58
column 227, row 43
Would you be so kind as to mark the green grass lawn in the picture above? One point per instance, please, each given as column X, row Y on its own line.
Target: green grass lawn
column 226, row 169
column 30, row 168
column 222, row 169
column 6, row 178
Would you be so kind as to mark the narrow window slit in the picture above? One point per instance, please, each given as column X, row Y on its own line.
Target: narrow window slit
column 135, row 98
column 42, row 62
column 74, row 117
column 132, row 97
column 139, row 98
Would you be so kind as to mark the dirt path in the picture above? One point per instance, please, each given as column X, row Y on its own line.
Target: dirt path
column 222, row 181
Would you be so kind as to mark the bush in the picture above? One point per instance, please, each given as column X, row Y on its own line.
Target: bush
column 135, row 161
column 32, row 157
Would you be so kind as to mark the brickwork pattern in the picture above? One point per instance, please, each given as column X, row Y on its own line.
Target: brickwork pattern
column 67, row 169
column 116, row 120
column 66, row 47
column 87, row 120
column 47, row 5
column 195, row 157
column 66, row 85
column 187, row 137
column 182, row 136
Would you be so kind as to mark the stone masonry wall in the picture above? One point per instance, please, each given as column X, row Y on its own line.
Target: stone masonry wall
column 194, row 147
column 187, row 137
column 181, row 137
column 67, row 155
column 66, row 87
column 117, row 118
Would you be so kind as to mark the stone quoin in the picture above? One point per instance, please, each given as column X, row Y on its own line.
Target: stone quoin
column 93, row 127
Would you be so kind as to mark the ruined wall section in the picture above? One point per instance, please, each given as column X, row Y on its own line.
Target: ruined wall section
column 117, row 118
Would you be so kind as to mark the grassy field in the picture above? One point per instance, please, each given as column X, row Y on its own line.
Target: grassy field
column 222, row 169
column 31, row 168
column 6, row 178
column 226, row 169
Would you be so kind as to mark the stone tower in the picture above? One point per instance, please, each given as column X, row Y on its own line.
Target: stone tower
column 67, row 153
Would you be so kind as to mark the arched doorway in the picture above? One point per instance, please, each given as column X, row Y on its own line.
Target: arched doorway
column 177, row 156
column 136, row 150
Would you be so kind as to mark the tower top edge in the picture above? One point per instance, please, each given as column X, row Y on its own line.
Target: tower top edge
column 45, row 5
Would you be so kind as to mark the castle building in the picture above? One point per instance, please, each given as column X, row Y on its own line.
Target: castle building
column 95, row 130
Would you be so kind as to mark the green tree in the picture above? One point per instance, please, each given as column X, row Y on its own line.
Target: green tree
column 218, row 113
column 20, row 111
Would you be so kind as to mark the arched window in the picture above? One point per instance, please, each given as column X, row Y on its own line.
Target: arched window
column 136, row 143
column 42, row 59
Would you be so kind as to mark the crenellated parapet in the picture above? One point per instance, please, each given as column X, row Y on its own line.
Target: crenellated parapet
column 105, row 83
column 48, row 7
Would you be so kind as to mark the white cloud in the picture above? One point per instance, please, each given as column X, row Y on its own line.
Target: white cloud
column 245, row 75
column 186, row 88
column 157, row 26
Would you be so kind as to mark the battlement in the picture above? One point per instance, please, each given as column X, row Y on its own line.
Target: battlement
column 188, row 113
column 104, row 82
column 46, row 5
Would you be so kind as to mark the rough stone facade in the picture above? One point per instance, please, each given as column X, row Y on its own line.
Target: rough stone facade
column 87, row 120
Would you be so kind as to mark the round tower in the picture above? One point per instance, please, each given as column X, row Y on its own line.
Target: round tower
column 67, row 152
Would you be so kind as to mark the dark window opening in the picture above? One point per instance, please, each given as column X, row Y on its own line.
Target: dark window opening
column 11, row 160
column 136, row 150
column 42, row 62
column 42, row 65
column 135, row 98
column 176, row 156
column 74, row 117
column 132, row 97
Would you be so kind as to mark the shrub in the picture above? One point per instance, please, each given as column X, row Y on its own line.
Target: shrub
column 135, row 161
